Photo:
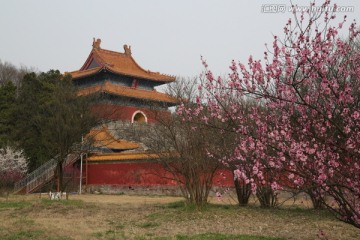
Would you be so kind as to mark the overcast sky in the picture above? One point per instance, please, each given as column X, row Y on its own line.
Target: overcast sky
column 166, row 36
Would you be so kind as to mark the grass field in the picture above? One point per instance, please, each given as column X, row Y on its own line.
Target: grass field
column 146, row 217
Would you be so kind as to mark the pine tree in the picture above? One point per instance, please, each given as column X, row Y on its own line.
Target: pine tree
column 7, row 112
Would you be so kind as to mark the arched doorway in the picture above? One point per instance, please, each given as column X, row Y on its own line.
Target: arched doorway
column 139, row 117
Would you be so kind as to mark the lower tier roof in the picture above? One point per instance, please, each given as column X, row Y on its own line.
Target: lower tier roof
column 118, row 90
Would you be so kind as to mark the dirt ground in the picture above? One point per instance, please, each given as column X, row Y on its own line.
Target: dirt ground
column 147, row 217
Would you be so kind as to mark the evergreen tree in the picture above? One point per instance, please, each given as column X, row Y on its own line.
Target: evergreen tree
column 51, row 118
column 34, row 94
column 7, row 112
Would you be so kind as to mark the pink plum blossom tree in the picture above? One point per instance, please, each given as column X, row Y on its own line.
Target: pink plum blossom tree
column 304, row 130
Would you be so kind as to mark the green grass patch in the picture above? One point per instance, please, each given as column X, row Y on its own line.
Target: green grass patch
column 222, row 207
column 98, row 235
column 15, row 204
column 176, row 205
column 24, row 221
column 25, row 229
column 24, row 235
column 300, row 212
column 119, row 226
column 116, row 225
column 57, row 238
column 109, row 235
column 179, row 212
column 183, row 205
column 148, row 224
column 189, row 207
column 218, row 236
column 277, row 211
column 63, row 202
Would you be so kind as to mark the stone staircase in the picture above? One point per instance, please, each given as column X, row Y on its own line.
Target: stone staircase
column 42, row 175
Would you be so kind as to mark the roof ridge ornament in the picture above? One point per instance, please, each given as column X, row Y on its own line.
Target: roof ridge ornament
column 96, row 44
column 127, row 50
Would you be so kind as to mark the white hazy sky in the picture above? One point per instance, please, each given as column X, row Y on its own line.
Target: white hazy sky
column 166, row 36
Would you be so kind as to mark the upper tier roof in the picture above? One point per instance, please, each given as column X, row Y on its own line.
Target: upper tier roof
column 118, row 63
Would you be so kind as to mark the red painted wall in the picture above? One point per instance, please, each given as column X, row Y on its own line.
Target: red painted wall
column 135, row 173
column 141, row 174
column 125, row 113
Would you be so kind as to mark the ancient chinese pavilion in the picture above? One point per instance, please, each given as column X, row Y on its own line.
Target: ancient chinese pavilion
column 126, row 96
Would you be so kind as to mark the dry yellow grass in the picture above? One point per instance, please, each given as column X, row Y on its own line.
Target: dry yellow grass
column 147, row 217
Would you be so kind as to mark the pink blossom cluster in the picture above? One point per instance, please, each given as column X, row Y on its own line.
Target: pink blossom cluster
column 296, row 113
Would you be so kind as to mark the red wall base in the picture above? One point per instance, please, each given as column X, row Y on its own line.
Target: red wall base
column 141, row 174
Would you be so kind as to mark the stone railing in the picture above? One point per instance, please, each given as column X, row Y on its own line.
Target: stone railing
column 42, row 174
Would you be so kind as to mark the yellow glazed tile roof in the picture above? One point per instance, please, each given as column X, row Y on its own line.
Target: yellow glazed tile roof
column 119, row 90
column 120, row 63
column 123, row 156
column 103, row 139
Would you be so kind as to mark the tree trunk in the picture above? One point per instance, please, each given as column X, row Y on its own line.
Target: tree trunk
column 316, row 200
column 60, row 177
column 266, row 196
column 243, row 192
